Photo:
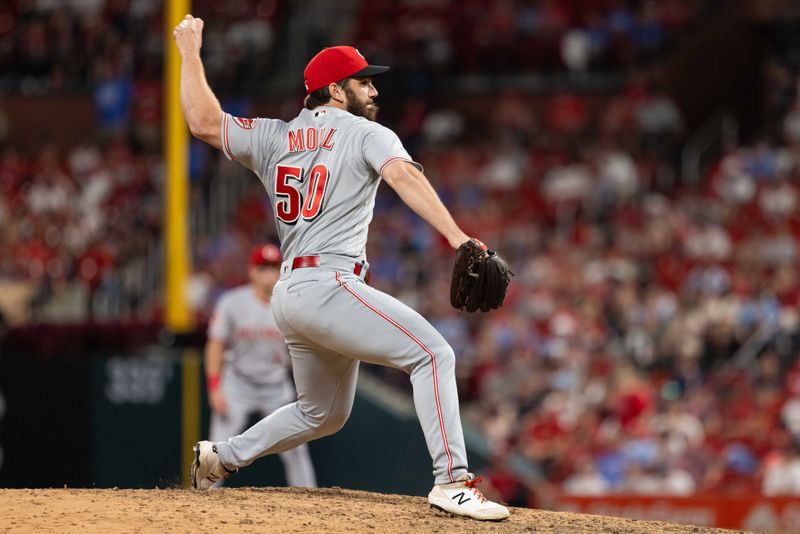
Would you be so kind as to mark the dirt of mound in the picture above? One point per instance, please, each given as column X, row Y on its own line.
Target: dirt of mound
column 278, row 510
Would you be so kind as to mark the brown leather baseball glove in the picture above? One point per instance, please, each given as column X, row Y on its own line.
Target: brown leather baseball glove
column 480, row 278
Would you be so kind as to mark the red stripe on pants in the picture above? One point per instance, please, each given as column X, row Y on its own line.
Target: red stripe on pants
column 433, row 365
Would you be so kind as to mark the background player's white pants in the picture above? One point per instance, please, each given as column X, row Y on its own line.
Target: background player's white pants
column 331, row 320
column 244, row 398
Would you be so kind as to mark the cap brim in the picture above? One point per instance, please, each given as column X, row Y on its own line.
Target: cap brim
column 370, row 70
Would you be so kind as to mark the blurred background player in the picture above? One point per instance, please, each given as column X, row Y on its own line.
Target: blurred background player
column 247, row 363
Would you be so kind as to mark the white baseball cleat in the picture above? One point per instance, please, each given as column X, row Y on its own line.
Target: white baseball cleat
column 206, row 467
column 463, row 497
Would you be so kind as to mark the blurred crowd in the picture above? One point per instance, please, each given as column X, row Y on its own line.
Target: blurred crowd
column 81, row 222
column 648, row 342
column 115, row 47
column 69, row 220
column 512, row 36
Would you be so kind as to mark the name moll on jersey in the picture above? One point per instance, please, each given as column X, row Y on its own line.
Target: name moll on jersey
column 303, row 139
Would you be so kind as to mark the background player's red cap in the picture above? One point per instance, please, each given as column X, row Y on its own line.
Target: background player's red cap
column 337, row 63
column 265, row 255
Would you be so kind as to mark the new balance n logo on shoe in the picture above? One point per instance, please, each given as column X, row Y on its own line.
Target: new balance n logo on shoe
column 462, row 498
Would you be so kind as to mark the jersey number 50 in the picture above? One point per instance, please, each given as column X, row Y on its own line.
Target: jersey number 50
column 289, row 205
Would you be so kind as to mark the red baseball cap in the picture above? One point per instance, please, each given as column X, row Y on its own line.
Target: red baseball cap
column 265, row 255
column 337, row 63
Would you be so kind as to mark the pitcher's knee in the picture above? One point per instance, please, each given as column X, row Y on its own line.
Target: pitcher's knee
column 332, row 424
column 324, row 423
column 336, row 421
column 443, row 356
column 446, row 357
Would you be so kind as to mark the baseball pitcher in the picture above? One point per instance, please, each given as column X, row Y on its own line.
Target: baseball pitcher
column 321, row 171
column 247, row 364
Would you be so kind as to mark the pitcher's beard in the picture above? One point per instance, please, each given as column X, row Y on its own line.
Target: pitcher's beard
column 360, row 109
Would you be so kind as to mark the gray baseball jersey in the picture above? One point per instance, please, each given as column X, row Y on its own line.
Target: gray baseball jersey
column 255, row 348
column 321, row 171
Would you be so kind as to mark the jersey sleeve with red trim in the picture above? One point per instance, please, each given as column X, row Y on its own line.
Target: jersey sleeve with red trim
column 220, row 326
column 382, row 146
column 247, row 140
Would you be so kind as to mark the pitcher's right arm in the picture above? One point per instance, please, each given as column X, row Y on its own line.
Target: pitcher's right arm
column 200, row 107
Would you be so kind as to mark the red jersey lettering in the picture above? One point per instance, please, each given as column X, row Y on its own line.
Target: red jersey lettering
column 327, row 144
column 296, row 141
column 310, row 139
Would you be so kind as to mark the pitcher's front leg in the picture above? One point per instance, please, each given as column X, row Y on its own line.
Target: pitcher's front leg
column 397, row 336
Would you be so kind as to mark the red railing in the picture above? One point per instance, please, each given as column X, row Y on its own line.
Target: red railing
column 756, row 513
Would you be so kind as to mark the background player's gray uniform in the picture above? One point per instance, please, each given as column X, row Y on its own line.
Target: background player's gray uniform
column 331, row 319
column 255, row 377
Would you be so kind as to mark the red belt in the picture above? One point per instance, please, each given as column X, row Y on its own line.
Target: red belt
column 313, row 261
column 305, row 261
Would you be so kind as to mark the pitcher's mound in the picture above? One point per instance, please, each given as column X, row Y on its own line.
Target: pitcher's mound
column 173, row 511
